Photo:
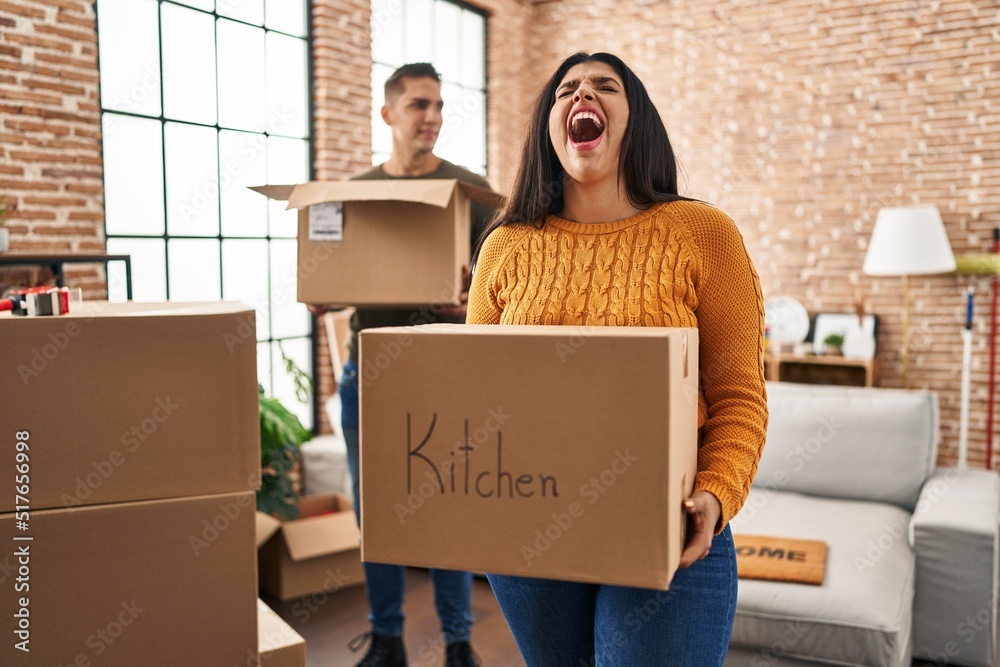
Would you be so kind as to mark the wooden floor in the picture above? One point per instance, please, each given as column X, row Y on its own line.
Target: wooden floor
column 329, row 624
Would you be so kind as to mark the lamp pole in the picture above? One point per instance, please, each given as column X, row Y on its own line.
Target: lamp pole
column 906, row 332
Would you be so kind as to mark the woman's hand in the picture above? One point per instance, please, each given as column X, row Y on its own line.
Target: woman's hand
column 703, row 510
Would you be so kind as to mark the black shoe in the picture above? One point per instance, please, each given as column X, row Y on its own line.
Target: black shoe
column 384, row 651
column 460, row 654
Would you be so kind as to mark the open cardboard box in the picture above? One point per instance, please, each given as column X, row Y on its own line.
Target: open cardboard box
column 132, row 401
column 317, row 552
column 399, row 242
column 542, row 451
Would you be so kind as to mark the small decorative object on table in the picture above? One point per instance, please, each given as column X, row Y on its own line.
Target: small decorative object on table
column 834, row 344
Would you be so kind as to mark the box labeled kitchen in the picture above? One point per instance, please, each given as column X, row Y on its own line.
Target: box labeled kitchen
column 542, row 451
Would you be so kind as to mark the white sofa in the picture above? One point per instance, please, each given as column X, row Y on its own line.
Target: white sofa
column 912, row 563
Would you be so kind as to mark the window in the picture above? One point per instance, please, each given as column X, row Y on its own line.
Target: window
column 453, row 38
column 200, row 99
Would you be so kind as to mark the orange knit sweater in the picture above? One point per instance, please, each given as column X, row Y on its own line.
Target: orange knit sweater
column 681, row 264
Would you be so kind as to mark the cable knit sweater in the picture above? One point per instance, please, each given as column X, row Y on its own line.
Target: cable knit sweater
column 679, row 264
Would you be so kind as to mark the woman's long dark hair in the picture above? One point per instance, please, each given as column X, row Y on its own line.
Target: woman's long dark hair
column 646, row 163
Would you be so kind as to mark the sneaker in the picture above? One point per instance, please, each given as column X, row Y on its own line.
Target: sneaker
column 460, row 654
column 384, row 651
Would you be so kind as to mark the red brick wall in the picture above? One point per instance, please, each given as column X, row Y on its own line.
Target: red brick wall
column 50, row 152
column 802, row 119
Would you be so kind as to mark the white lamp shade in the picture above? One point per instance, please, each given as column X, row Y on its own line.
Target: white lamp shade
column 908, row 241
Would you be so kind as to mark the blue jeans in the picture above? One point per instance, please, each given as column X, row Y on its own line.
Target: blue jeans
column 563, row 624
column 386, row 584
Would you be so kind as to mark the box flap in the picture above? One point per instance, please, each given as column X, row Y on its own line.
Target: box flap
column 321, row 535
column 435, row 192
column 267, row 526
column 273, row 634
column 278, row 192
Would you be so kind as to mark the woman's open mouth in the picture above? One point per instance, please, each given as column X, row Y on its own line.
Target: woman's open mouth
column 586, row 127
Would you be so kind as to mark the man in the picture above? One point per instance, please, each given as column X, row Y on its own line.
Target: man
column 413, row 111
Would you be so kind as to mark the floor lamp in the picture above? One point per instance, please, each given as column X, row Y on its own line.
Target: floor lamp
column 908, row 241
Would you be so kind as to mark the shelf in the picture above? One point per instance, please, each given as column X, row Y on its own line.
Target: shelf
column 821, row 369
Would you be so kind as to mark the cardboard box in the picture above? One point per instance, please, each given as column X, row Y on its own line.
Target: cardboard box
column 278, row 645
column 542, row 451
column 131, row 401
column 167, row 582
column 315, row 553
column 381, row 243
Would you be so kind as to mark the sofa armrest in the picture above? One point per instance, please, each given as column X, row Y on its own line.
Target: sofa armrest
column 955, row 532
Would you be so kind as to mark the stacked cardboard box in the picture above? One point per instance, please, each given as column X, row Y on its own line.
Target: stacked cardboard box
column 133, row 441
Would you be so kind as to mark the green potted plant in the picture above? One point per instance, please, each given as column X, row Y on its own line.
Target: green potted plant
column 281, row 435
column 834, row 343
column 4, row 232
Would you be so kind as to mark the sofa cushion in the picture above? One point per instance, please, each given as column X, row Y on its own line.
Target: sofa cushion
column 861, row 615
column 846, row 442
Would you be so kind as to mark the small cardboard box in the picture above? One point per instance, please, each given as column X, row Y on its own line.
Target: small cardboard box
column 317, row 552
column 400, row 242
column 163, row 582
column 541, row 451
column 119, row 402
column 278, row 645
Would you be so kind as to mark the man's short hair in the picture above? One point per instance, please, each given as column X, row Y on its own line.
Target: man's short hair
column 394, row 85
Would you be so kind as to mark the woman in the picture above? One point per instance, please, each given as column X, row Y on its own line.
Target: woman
column 594, row 233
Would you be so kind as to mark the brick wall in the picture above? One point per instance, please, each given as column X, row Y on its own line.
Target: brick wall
column 50, row 153
column 802, row 119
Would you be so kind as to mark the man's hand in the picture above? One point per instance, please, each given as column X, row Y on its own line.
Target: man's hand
column 451, row 310
column 703, row 510
column 321, row 309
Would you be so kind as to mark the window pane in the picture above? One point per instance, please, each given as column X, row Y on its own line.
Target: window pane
column 447, row 40
column 149, row 267
column 243, row 163
column 241, row 88
column 287, row 16
column 288, row 318
column 130, row 55
column 381, row 134
column 287, row 163
column 473, row 50
column 133, row 175
column 192, row 180
column 287, row 101
column 250, row 11
column 188, row 64
column 117, row 282
column 207, row 5
column 379, row 158
column 194, row 270
column 244, row 278
column 264, row 366
column 298, row 350
column 419, row 22
column 462, row 140
column 387, row 32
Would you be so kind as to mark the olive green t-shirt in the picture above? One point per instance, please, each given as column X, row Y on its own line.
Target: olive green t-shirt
column 370, row 318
